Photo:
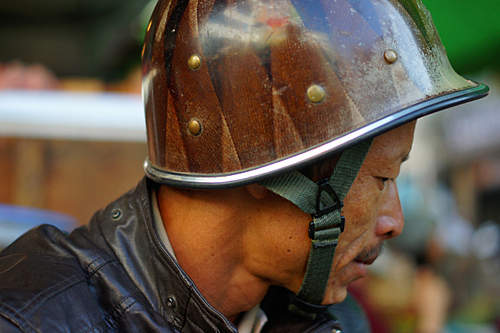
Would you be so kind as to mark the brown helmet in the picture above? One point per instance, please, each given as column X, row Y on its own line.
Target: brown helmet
column 236, row 90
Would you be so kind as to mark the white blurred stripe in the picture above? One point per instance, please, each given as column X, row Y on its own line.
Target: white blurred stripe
column 71, row 115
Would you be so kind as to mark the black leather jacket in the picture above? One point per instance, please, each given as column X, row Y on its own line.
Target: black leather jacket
column 114, row 275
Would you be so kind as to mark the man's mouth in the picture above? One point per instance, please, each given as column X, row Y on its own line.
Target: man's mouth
column 368, row 256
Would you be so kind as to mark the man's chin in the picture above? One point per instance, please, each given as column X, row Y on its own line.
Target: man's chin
column 335, row 295
column 337, row 291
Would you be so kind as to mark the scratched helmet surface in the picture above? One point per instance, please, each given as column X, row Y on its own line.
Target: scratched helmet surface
column 236, row 90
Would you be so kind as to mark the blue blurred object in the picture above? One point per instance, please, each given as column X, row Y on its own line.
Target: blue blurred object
column 16, row 220
column 419, row 221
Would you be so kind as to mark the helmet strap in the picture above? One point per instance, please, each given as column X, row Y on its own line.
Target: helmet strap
column 324, row 201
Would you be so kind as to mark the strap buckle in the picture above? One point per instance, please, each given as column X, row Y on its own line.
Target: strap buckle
column 312, row 227
column 324, row 186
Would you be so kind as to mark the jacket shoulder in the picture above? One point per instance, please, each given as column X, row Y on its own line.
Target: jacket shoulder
column 43, row 287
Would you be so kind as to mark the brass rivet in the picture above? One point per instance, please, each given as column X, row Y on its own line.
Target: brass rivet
column 316, row 93
column 194, row 127
column 390, row 56
column 194, row 62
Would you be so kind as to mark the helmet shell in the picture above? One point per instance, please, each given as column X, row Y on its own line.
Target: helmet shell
column 237, row 90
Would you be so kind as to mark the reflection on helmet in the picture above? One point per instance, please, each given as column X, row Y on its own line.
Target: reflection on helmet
column 237, row 90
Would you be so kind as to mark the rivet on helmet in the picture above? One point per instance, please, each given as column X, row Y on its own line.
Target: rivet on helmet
column 390, row 56
column 316, row 93
column 194, row 127
column 194, row 62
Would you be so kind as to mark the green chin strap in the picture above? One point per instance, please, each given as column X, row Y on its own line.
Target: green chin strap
column 324, row 201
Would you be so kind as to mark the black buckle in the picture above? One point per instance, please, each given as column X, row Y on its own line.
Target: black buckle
column 324, row 186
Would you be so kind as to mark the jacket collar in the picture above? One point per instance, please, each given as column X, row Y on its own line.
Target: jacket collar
column 128, row 227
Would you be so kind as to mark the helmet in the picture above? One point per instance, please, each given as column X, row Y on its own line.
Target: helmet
column 238, row 90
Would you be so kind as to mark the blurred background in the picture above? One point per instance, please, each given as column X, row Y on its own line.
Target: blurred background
column 72, row 139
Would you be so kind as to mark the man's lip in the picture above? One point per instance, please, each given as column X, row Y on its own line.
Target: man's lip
column 367, row 257
column 367, row 261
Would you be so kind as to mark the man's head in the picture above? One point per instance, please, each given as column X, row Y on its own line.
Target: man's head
column 248, row 92
column 269, row 235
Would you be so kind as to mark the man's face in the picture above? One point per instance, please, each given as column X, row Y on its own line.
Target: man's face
column 372, row 210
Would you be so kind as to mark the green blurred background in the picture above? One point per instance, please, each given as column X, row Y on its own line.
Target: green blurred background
column 470, row 31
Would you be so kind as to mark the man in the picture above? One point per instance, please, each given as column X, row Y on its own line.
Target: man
column 276, row 130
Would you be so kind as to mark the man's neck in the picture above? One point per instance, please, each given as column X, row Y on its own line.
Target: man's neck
column 207, row 238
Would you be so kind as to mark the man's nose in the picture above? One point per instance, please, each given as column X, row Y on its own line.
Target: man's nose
column 390, row 219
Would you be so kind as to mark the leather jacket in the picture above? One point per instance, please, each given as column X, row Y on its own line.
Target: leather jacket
column 114, row 275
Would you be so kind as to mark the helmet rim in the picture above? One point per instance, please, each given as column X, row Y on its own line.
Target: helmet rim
column 312, row 154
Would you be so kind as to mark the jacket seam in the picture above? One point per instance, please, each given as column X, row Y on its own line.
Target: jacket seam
column 21, row 321
column 125, row 307
column 93, row 271
column 117, row 261
column 185, row 312
column 48, row 293
column 119, row 308
column 142, row 204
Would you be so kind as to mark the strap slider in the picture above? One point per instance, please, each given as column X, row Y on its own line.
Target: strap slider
column 324, row 186
column 312, row 227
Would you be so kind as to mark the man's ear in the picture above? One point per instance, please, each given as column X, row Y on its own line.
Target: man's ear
column 257, row 191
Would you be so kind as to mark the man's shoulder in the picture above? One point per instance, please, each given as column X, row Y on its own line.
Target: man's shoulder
column 36, row 261
column 40, row 279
